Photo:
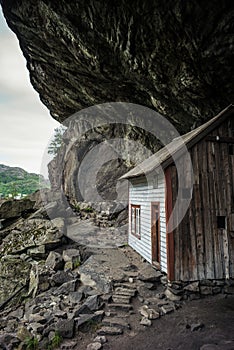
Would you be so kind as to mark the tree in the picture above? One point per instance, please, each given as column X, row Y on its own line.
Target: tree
column 57, row 141
column 13, row 190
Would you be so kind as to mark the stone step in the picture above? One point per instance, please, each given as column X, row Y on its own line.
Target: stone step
column 125, row 285
column 166, row 309
column 109, row 331
column 121, row 299
column 115, row 322
column 119, row 306
column 125, row 291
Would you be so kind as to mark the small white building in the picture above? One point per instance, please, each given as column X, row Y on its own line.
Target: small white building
column 147, row 215
column 201, row 245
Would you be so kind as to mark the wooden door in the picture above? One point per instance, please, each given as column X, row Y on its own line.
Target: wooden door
column 155, row 232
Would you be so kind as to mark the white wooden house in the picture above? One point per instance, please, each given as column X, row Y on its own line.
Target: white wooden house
column 202, row 245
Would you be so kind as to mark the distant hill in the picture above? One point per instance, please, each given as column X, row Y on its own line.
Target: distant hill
column 14, row 181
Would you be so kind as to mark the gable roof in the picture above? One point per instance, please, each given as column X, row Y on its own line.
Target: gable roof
column 164, row 156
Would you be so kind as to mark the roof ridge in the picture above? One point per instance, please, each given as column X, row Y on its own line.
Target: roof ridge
column 189, row 139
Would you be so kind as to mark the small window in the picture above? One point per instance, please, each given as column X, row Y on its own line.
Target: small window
column 231, row 150
column 221, row 222
column 136, row 220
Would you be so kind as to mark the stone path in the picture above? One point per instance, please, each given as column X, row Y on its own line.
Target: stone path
column 86, row 233
column 135, row 300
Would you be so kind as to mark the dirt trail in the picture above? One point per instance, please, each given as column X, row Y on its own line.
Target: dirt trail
column 172, row 331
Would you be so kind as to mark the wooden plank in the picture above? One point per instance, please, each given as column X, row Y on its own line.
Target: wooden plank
column 208, row 232
column 217, row 177
column 218, row 202
column 177, row 245
column 198, row 215
column 187, row 246
column 213, row 219
column 226, row 254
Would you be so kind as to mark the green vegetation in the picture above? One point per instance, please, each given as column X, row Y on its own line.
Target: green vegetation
column 88, row 210
column 57, row 140
column 14, row 181
column 76, row 207
column 76, row 263
column 31, row 343
column 55, row 341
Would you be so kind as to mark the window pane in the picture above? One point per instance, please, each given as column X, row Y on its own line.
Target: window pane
column 135, row 220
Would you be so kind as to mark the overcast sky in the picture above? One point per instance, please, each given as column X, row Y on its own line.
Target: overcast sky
column 25, row 123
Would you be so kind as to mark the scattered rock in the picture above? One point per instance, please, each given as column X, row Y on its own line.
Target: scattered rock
column 59, row 223
column 54, row 261
column 149, row 274
column 23, row 333
column 146, row 322
column 36, row 328
column 14, row 274
column 92, row 302
column 229, row 289
column 65, row 328
column 61, row 304
column 223, row 345
column 163, row 280
column 109, row 331
column 217, row 290
column 61, row 277
column 171, row 296
column 75, row 297
column 192, row 287
column 8, row 341
column 72, row 255
column 167, row 308
column 84, row 318
column 144, row 292
column 90, row 275
column 66, row 288
column 68, row 345
column 151, row 314
column 94, row 346
column 196, row 326
column 100, row 339
column 206, row 290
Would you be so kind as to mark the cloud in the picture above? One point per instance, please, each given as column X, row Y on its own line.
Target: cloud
column 25, row 124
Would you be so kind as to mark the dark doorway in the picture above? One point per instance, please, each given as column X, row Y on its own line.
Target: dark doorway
column 155, row 232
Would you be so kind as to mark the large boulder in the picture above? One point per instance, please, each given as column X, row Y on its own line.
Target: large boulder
column 14, row 274
column 14, row 208
column 31, row 233
column 26, row 240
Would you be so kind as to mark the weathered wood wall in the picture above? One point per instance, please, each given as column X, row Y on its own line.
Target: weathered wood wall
column 202, row 250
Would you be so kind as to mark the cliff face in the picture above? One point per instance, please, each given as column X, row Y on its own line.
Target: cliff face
column 175, row 57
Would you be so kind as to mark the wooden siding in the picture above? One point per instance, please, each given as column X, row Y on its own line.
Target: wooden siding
column 202, row 250
column 142, row 193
